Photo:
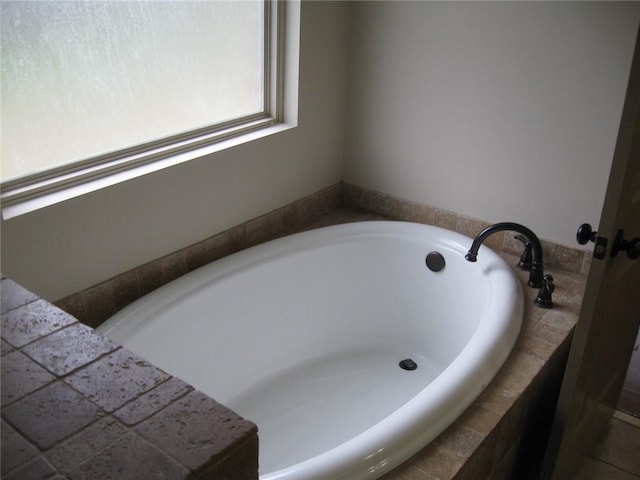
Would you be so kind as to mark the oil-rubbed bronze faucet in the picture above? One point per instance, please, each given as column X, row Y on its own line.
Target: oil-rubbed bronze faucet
column 536, row 272
column 533, row 263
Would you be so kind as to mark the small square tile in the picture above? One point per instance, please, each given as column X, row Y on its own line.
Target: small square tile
column 5, row 348
column 116, row 379
column 32, row 321
column 423, row 214
column 161, row 271
column 437, row 462
column 20, row 376
column 69, row 349
column 239, row 464
column 36, row 469
column 129, row 458
column 444, row 219
column 460, row 440
column 15, row 449
column 569, row 259
column 126, row 289
column 97, row 304
column 206, row 251
column 264, row 228
column 81, row 447
column 51, row 414
column 14, row 296
column 195, row 429
column 153, row 401
column 479, row 419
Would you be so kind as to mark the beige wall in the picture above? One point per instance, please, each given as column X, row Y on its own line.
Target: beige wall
column 503, row 111
column 500, row 111
column 70, row 246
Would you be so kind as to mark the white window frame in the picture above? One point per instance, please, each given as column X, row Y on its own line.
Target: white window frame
column 31, row 192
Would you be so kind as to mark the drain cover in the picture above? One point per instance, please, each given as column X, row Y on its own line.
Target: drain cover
column 408, row 364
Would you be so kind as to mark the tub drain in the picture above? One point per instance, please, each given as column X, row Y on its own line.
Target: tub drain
column 408, row 364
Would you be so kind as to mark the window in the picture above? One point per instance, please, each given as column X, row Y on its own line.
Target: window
column 91, row 89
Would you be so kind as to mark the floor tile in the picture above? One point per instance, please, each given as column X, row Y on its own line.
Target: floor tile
column 620, row 446
column 592, row 469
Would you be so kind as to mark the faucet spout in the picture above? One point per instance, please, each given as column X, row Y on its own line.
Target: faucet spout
column 536, row 271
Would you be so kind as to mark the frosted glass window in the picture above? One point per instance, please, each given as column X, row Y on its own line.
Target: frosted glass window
column 85, row 78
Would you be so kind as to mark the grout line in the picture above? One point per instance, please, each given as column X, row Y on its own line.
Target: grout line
column 626, row 418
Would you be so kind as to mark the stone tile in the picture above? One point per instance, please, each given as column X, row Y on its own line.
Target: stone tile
column 496, row 399
column 620, row 446
column 153, row 401
column 51, row 414
column 97, row 303
column 116, row 379
column 129, row 458
column 437, row 462
column 479, row 419
column 569, row 259
column 445, row 219
column 422, row 214
column 74, row 451
column 36, row 469
column 207, row 251
column 406, row 471
column 236, row 238
column 531, row 344
column 460, row 440
column 592, row 469
column 161, row 271
column 20, row 376
column 5, row 348
column 126, row 289
column 194, row 429
column 479, row 463
column 69, row 349
column 242, row 463
column 15, row 449
column 13, row 296
column 547, row 331
column 32, row 321
column 75, row 306
column 264, row 228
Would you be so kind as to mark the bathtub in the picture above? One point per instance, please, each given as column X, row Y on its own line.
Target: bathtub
column 305, row 336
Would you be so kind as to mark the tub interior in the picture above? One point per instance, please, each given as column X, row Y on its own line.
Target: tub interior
column 310, row 333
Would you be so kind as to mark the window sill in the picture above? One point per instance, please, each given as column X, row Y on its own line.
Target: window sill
column 25, row 200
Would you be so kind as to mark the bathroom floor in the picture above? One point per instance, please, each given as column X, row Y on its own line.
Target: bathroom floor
column 630, row 397
column 615, row 456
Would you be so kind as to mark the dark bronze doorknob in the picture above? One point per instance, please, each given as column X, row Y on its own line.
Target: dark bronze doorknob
column 632, row 247
column 585, row 234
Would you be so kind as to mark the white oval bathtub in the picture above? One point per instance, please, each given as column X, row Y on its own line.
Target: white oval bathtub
column 303, row 335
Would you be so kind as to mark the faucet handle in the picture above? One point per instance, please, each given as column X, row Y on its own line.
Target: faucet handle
column 544, row 294
column 526, row 258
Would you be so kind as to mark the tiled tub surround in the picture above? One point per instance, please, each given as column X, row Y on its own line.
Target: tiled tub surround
column 75, row 405
column 502, row 433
